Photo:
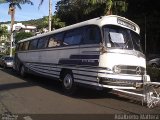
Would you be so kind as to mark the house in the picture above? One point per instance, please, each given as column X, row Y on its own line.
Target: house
column 28, row 28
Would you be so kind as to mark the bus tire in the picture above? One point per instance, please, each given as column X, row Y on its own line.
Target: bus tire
column 4, row 66
column 22, row 71
column 68, row 84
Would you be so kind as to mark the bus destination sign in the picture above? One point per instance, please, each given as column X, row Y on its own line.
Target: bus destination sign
column 125, row 23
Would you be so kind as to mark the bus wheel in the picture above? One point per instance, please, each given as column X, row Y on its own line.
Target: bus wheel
column 22, row 71
column 68, row 83
column 4, row 66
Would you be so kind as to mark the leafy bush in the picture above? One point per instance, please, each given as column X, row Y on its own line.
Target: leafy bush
column 22, row 35
column 154, row 73
column 1, row 54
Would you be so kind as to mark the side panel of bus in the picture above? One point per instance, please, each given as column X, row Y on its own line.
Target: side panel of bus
column 79, row 52
column 89, row 57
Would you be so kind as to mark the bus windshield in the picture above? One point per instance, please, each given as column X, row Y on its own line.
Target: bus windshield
column 118, row 37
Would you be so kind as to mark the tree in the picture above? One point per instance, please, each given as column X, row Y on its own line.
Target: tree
column 146, row 14
column 73, row 11
column 3, row 31
column 12, row 7
column 41, row 2
column 22, row 35
column 56, row 23
column 112, row 6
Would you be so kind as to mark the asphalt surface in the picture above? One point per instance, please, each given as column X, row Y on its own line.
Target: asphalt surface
column 38, row 95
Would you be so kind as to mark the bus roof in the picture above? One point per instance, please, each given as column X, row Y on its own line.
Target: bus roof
column 100, row 21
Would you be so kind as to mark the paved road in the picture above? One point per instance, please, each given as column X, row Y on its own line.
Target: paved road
column 37, row 95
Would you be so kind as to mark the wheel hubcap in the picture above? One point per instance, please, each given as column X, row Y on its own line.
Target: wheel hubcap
column 22, row 71
column 68, row 81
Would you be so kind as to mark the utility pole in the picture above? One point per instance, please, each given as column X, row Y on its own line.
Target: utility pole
column 145, row 35
column 12, row 12
column 50, row 14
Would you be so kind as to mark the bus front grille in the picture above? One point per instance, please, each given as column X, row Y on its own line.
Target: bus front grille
column 133, row 70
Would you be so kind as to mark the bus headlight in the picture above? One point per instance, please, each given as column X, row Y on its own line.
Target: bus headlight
column 117, row 69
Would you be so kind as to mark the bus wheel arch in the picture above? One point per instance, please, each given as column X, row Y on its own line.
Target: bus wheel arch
column 68, row 83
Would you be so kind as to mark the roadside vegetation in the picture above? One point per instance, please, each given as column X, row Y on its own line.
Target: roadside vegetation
column 154, row 73
column 3, row 31
column 22, row 35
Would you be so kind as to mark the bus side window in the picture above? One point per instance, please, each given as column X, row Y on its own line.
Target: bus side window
column 92, row 36
column 73, row 37
column 42, row 43
column 33, row 44
column 55, row 40
column 25, row 45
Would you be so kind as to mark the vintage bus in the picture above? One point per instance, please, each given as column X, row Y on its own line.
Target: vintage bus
column 103, row 52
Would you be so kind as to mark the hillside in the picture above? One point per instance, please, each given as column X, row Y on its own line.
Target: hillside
column 29, row 22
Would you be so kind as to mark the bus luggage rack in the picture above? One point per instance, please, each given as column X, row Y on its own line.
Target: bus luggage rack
column 150, row 94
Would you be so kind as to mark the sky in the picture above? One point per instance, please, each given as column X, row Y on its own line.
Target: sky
column 28, row 11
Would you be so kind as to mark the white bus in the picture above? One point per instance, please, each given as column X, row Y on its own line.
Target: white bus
column 104, row 52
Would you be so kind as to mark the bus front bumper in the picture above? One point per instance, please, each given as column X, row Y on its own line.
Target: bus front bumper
column 123, row 83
